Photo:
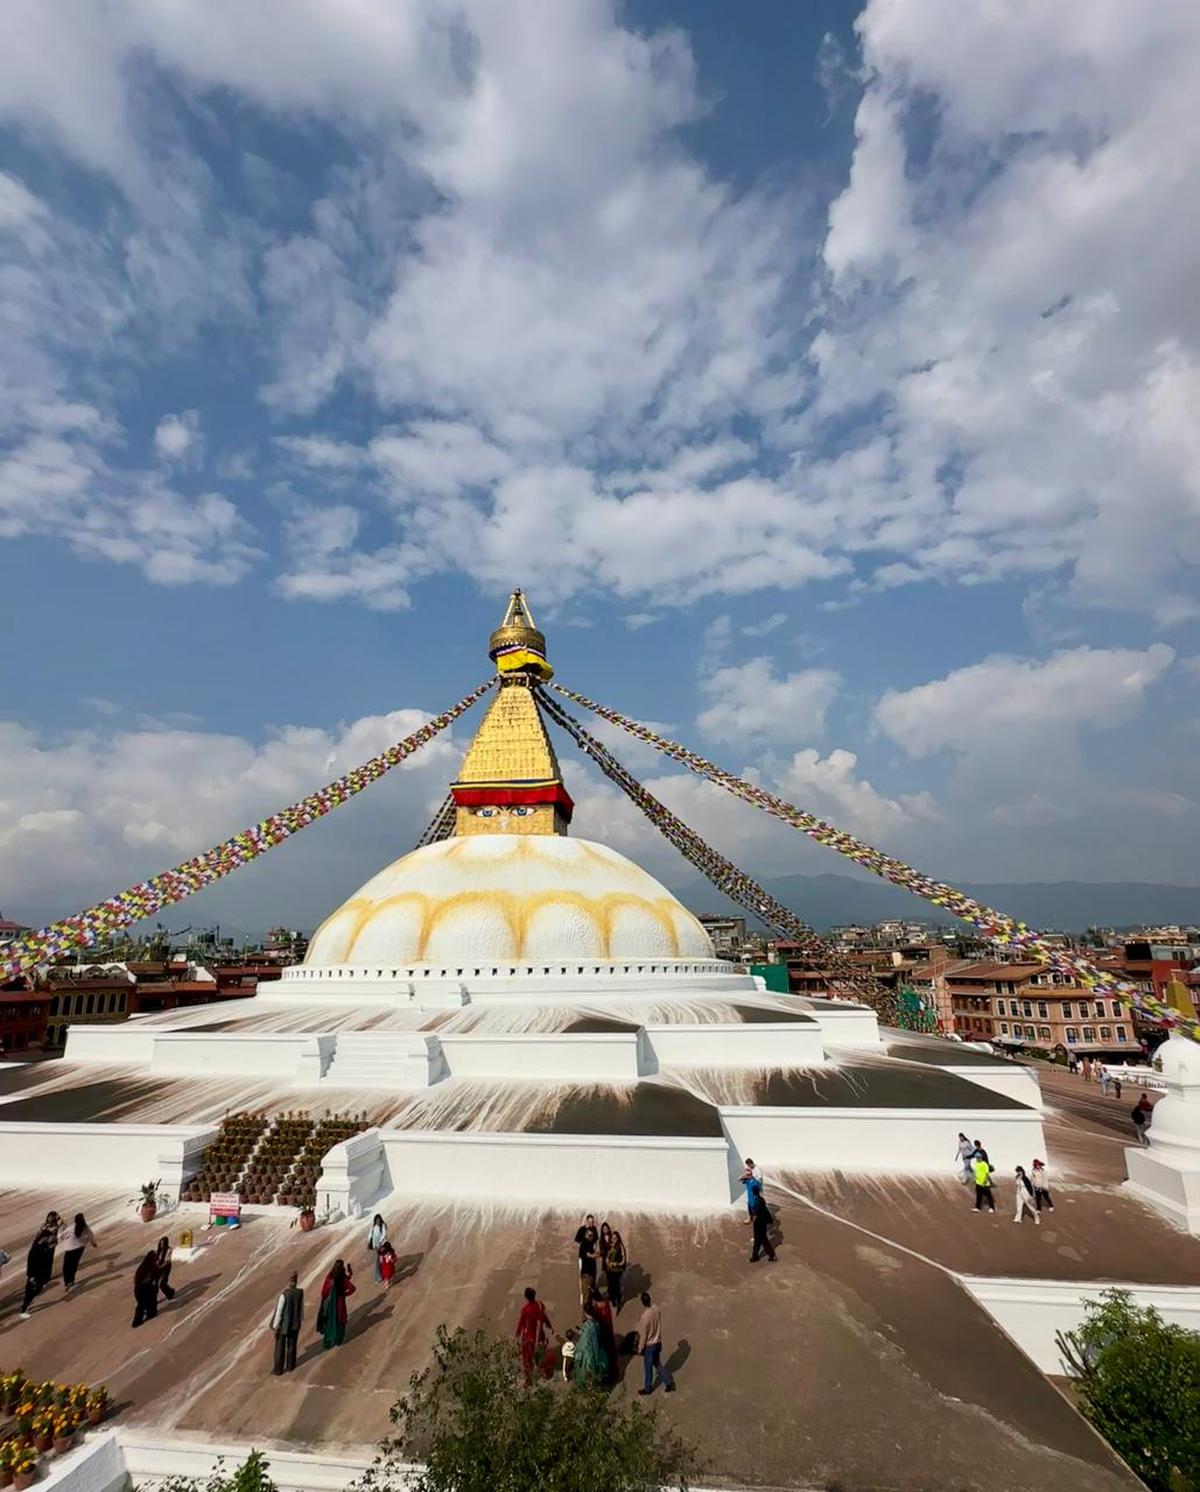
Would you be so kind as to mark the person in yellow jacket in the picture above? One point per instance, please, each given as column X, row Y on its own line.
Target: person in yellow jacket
column 982, row 1170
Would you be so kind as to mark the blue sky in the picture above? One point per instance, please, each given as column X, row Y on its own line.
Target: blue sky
column 827, row 378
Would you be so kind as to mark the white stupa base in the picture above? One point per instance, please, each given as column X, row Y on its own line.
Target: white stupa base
column 1170, row 1187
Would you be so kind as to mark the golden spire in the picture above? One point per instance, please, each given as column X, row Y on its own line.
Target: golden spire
column 510, row 781
column 516, row 646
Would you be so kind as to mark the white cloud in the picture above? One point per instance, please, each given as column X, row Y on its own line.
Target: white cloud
column 1003, row 702
column 768, row 625
column 88, row 814
column 829, row 787
column 63, row 486
column 1007, row 266
column 751, row 701
column 177, row 437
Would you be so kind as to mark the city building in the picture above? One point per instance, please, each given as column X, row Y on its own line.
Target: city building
column 1031, row 1005
column 728, row 934
column 22, row 1017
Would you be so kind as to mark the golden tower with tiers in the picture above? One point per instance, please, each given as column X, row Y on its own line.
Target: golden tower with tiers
column 510, row 782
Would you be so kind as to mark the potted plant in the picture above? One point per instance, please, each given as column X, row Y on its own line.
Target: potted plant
column 24, row 1468
column 43, row 1431
column 149, row 1209
column 12, row 1388
column 64, row 1427
column 308, row 1218
column 8, row 1455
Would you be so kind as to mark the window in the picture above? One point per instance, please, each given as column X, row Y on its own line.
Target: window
column 1044, row 1032
column 1066, row 1010
column 1072, row 1036
column 1000, row 1010
column 1089, row 1033
column 1026, row 1008
column 1100, row 1009
column 1003, row 1028
column 1029, row 1033
column 1121, row 1034
column 1105, row 1033
column 1043, row 1013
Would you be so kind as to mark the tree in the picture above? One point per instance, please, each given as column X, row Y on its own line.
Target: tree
column 1138, row 1381
column 470, row 1423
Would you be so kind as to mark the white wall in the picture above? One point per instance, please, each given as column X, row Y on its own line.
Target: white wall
column 882, row 1141
column 855, row 1027
column 127, row 1043
column 300, row 1058
column 1032, row 1311
column 1010, row 1078
column 678, row 1173
column 100, row 1155
column 354, row 1175
column 600, row 1056
column 782, row 1044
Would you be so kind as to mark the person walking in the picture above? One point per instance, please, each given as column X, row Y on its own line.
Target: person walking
column 376, row 1238
column 964, row 1154
column 1116, row 1085
column 587, row 1241
column 982, row 1171
column 533, row 1327
column 162, row 1262
column 614, row 1272
column 979, row 1153
column 1141, row 1119
column 1072, row 1063
column 286, row 1321
column 761, row 1223
column 603, row 1244
column 145, row 1290
column 1025, row 1198
column 39, row 1262
column 750, row 1175
column 1104, row 1081
column 332, row 1314
column 1041, row 1186
column 387, row 1263
column 650, row 1345
column 74, row 1240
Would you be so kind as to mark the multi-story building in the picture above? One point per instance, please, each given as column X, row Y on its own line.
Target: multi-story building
column 22, row 1017
column 94, row 994
column 728, row 934
column 1032, row 1005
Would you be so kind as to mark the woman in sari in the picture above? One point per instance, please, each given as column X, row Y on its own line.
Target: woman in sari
column 332, row 1314
column 608, row 1336
column 591, row 1363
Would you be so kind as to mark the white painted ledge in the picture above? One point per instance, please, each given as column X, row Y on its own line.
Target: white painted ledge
column 1031, row 1312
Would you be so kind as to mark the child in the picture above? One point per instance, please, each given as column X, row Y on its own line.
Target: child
column 387, row 1263
column 568, row 1353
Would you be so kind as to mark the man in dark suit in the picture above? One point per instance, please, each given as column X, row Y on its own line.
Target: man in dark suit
column 286, row 1323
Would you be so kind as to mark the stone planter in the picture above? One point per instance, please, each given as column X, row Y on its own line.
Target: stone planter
column 95, row 1416
column 63, row 1444
column 23, row 1479
column 308, row 1220
column 149, row 1211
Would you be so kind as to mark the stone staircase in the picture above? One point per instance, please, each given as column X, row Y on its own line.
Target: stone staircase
column 385, row 1060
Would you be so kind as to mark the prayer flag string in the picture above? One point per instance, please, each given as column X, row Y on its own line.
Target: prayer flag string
column 725, row 876
column 149, row 897
column 1002, row 929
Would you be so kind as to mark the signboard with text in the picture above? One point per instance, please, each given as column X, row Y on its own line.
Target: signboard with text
column 224, row 1204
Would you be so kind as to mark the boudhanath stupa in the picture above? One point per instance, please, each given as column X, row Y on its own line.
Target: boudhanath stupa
column 535, row 1015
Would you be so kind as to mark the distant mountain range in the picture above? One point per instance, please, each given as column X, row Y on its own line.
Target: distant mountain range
column 826, row 901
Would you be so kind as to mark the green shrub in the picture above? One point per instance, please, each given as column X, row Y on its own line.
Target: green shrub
column 474, row 1425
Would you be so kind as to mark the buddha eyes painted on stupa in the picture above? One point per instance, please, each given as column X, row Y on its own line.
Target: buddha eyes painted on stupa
column 489, row 811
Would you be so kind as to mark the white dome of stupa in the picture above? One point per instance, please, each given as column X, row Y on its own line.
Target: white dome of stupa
column 509, row 897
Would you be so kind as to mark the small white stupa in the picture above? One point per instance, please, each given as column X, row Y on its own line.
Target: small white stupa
column 1166, row 1174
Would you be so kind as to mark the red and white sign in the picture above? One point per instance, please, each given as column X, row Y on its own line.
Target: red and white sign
column 224, row 1204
